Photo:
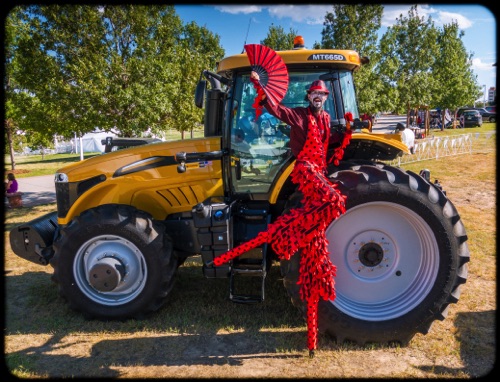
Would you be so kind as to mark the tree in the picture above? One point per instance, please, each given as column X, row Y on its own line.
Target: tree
column 12, row 31
column 409, row 50
column 422, row 65
column 456, row 82
column 277, row 39
column 196, row 50
column 114, row 68
column 355, row 27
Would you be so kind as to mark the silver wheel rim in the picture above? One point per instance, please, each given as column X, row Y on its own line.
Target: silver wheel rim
column 403, row 254
column 120, row 250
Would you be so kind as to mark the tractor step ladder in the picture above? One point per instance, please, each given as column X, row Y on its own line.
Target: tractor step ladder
column 250, row 268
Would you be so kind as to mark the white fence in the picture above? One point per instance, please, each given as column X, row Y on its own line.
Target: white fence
column 438, row 147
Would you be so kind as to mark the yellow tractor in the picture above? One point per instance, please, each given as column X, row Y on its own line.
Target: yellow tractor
column 127, row 219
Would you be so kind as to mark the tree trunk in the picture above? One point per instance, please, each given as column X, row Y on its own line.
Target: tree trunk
column 8, row 129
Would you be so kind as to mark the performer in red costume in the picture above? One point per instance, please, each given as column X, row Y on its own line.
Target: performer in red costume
column 303, row 228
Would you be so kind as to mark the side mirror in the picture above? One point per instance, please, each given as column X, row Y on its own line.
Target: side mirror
column 199, row 95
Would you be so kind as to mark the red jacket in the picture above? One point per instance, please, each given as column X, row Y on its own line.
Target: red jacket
column 297, row 119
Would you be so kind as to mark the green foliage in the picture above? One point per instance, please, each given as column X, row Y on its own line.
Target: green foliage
column 123, row 69
column 355, row 27
column 352, row 27
column 132, row 69
column 410, row 49
column 277, row 39
column 413, row 64
column 198, row 49
column 454, row 90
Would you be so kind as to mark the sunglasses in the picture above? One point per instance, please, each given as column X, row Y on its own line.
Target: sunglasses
column 316, row 93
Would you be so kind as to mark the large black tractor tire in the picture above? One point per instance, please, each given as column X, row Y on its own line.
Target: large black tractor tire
column 114, row 262
column 401, row 256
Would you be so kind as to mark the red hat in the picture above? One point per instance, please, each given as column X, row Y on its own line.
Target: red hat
column 318, row 85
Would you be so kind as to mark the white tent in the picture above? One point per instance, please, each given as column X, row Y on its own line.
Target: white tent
column 91, row 142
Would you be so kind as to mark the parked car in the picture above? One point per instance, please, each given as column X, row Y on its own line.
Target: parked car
column 114, row 143
column 471, row 118
column 461, row 110
column 490, row 116
column 485, row 114
column 491, row 109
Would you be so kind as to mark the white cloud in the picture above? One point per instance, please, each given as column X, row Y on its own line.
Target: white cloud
column 478, row 64
column 315, row 14
column 392, row 12
column 236, row 9
column 448, row 17
column 309, row 14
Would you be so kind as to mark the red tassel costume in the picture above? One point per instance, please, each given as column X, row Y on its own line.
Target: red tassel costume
column 303, row 228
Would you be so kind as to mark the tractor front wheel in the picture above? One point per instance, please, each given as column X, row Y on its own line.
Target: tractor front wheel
column 114, row 262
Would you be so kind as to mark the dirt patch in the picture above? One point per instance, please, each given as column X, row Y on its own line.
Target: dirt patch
column 17, row 171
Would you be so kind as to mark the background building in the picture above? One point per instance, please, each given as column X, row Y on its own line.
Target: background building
column 492, row 95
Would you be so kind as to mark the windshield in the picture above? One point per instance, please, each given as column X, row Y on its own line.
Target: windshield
column 260, row 148
column 348, row 93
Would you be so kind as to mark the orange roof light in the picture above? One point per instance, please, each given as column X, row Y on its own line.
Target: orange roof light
column 354, row 58
column 298, row 42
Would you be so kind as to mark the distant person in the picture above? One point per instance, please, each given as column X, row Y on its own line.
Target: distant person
column 462, row 121
column 407, row 136
column 368, row 117
column 412, row 117
column 447, row 118
column 11, row 185
column 12, row 196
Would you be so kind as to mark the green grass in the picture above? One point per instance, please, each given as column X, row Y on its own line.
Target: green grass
column 35, row 165
column 487, row 126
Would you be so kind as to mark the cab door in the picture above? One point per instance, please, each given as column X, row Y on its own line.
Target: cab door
column 259, row 148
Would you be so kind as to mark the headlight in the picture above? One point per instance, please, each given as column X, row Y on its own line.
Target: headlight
column 61, row 178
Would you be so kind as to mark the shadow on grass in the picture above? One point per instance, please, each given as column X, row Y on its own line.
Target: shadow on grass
column 476, row 333
column 34, row 205
column 197, row 326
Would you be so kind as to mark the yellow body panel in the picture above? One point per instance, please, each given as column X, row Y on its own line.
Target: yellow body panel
column 386, row 138
column 349, row 58
column 153, row 185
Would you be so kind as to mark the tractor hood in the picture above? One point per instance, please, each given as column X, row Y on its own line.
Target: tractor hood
column 164, row 188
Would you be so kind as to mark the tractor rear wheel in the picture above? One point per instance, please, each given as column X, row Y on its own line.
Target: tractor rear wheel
column 401, row 256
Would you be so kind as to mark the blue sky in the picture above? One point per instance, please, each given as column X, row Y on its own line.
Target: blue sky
column 237, row 24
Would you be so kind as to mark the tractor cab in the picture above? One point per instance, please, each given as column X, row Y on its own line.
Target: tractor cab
column 259, row 147
column 258, row 163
